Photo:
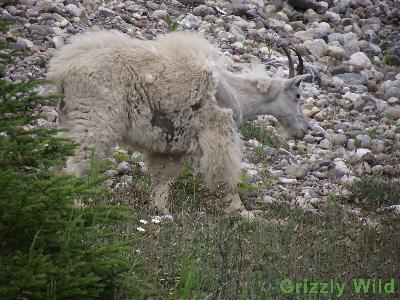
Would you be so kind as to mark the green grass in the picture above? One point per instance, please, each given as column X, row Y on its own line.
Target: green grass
column 204, row 254
column 373, row 193
column 250, row 130
column 210, row 256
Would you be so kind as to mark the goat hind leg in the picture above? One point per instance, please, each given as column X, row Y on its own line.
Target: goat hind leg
column 94, row 138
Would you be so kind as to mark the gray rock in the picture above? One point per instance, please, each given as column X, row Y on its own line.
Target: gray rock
column 335, row 51
column 389, row 170
column 360, row 60
column 131, row 7
column 191, row 22
column 159, row 14
column 390, row 88
column 392, row 92
column 393, row 112
column 340, row 168
column 309, row 139
column 152, row 5
column 370, row 48
column 40, row 30
column 319, row 175
column 360, row 152
column 238, row 46
column 110, row 173
column 351, row 48
column 352, row 78
column 370, row 159
column 31, row 13
column 377, row 146
column 23, row 44
column 378, row 169
column 370, row 36
column 297, row 171
column 348, row 179
column 50, row 116
column 105, row 12
column 304, row 35
column 364, row 140
column 317, row 47
column 321, row 30
column 28, row 3
column 350, row 42
column 74, row 10
column 340, row 69
column 269, row 199
column 335, row 37
column 203, row 10
column 310, row 16
column 325, row 144
column 192, row 2
column 240, row 9
column 333, row 17
column 395, row 49
column 337, row 139
column 288, row 180
column 342, row 6
column 6, row 16
column 13, row 11
column 123, row 168
column 127, row 180
column 307, row 4
column 317, row 128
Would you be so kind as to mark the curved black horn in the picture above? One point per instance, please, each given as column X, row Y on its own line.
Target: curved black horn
column 291, row 66
column 300, row 66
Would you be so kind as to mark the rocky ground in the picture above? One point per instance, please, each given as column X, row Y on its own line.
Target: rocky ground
column 351, row 48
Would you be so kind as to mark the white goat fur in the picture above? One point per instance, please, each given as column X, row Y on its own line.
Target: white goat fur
column 160, row 97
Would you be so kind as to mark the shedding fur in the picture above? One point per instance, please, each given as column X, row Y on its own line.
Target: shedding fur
column 171, row 98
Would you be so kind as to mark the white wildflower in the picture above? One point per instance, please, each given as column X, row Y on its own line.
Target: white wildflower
column 140, row 229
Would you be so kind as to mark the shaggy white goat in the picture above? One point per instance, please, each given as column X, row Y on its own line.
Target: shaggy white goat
column 172, row 99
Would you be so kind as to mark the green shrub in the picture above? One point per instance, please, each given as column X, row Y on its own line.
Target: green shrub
column 49, row 247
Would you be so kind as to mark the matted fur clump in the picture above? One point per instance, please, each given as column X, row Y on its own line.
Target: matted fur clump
column 170, row 98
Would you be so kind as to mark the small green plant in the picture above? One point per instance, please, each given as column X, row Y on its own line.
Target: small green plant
column 250, row 130
column 372, row 133
column 357, row 143
column 191, row 281
column 386, row 59
column 173, row 24
column 121, row 156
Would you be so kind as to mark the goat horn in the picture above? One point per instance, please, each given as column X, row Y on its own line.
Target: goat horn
column 291, row 66
column 300, row 66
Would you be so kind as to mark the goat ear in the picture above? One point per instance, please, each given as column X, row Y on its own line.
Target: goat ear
column 297, row 80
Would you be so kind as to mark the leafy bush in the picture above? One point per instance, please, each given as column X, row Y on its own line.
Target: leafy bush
column 50, row 248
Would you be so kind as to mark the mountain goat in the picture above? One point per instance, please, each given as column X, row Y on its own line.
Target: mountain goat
column 170, row 98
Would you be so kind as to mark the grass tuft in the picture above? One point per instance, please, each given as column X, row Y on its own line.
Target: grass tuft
column 374, row 193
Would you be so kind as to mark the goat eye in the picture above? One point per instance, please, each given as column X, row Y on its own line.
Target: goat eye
column 298, row 96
